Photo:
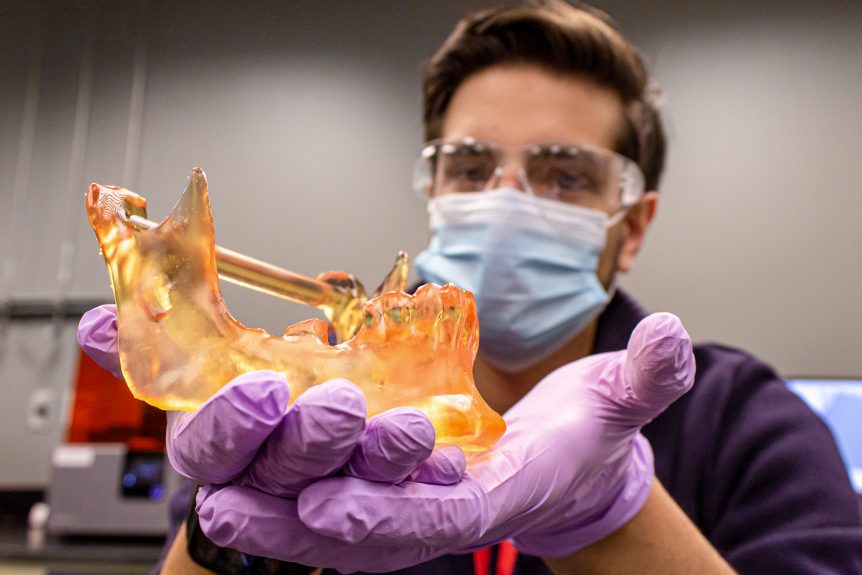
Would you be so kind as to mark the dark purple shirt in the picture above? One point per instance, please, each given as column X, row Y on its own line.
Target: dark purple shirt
column 752, row 466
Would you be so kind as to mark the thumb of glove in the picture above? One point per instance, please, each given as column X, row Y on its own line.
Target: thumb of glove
column 97, row 337
column 659, row 363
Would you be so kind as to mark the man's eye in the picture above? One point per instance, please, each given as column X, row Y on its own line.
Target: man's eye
column 471, row 174
column 467, row 172
column 570, row 181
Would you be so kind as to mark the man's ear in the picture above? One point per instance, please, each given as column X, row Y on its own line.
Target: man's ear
column 635, row 224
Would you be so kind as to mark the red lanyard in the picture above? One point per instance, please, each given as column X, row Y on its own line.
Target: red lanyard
column 506, row 557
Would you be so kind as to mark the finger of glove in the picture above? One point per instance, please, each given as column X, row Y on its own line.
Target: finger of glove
column 357, row 511
column 659, row 363
column 444, row 466
column 257, row 523
column 394, row 444
column 97, row 337
column 216, row 442
column 314, row 439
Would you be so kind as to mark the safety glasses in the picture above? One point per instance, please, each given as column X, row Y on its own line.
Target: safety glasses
column 580, row 175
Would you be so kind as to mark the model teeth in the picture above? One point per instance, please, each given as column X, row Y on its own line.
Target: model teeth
column 178, row 344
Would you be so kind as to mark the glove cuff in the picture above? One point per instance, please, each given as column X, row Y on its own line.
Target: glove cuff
column 629, row 498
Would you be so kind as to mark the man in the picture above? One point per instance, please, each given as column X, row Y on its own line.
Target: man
column 542, row 165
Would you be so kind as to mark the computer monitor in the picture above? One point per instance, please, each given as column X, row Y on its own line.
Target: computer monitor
column 839, row 403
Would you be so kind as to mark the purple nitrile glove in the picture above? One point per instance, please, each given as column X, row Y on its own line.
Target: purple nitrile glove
column 247, row 434
column 571, row 468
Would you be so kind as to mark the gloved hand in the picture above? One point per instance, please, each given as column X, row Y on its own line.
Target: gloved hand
column 571, row 468
column 247, row 435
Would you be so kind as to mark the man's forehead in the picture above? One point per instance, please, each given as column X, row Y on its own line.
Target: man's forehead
column 517, row 105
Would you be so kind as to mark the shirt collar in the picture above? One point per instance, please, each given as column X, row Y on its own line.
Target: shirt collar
column 617, row 322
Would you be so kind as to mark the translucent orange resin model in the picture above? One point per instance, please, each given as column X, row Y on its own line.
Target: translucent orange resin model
column 178, row 343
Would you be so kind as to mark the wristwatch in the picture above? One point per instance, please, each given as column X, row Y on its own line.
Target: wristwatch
column 226, row 561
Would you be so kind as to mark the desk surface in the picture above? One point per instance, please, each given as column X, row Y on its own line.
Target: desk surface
column 16, row 543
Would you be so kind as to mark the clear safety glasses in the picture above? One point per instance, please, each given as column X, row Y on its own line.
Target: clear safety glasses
column 581, row 175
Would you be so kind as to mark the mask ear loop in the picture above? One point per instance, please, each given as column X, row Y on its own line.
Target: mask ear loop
column 617, row 217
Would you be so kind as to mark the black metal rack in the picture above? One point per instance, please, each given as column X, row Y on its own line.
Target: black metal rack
column 41, row 310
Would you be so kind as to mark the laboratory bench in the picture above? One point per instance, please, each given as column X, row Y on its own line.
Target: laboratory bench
column 25, row 551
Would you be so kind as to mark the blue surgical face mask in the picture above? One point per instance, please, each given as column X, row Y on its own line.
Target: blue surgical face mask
column 531, row 263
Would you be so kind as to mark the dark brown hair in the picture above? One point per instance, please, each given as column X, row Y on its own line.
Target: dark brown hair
column 564, row 39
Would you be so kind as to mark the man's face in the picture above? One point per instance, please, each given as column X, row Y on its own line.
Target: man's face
column 517, row 105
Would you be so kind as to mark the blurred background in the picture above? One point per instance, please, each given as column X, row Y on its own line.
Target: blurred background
column 306, row 117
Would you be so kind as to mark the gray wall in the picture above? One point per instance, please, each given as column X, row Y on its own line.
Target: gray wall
column 758, row 240
column 305, row 116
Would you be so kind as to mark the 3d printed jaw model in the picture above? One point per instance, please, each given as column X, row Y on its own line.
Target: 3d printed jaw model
column 178, row 344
